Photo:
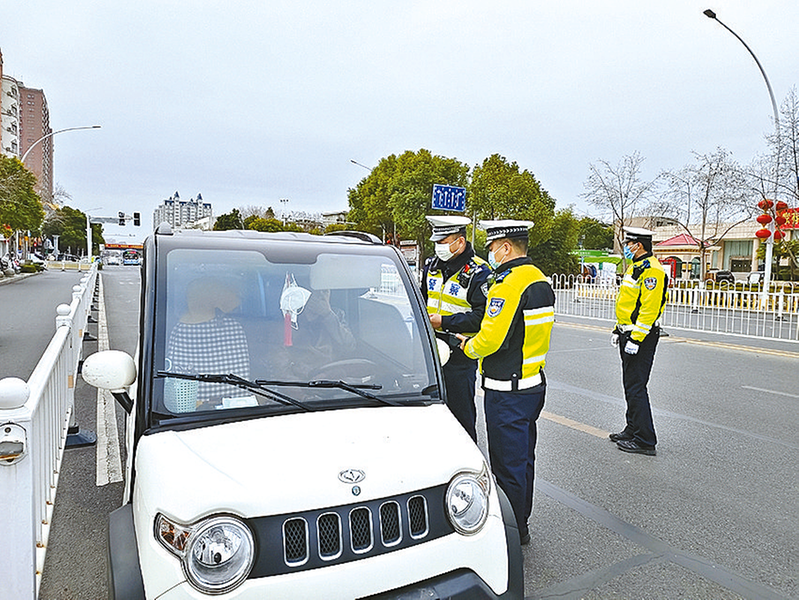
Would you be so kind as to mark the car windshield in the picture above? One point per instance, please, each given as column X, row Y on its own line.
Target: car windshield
column 253, row 328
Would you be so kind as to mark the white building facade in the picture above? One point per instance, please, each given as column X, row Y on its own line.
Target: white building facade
column 183, row 213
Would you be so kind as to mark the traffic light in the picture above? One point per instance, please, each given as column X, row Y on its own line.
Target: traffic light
column 136, row 219
column 121, row 218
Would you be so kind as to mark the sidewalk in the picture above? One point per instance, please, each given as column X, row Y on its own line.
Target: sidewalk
column 15, row 278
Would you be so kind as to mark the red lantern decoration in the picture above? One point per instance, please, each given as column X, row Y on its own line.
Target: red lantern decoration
column 781, row 206
column 763, row 233
column 780, row 220
column 764, row 219
column 778, row 235
column 765, row 204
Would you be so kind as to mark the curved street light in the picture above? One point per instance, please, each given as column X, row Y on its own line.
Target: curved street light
column 770, row 242
column 51, row 134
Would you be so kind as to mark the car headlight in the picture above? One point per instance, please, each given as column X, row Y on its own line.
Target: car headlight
column 217, row 553
column 467, row 501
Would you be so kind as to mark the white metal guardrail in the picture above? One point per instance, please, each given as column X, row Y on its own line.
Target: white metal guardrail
column 34, row 420
column 735, row 308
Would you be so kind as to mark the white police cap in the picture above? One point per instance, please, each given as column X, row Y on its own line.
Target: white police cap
column 637, row 234
column 506, row 228
column 446, row 225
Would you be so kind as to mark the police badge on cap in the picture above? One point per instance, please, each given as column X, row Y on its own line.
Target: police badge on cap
column 444, row 226
column 637, row 234
column 507, row 228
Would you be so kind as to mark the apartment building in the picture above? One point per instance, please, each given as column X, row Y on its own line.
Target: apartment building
column 183, row 213
column 24, row 120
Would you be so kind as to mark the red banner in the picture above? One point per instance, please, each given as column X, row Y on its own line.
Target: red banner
column 792, row 219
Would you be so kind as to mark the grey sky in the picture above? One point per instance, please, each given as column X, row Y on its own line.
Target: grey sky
column 249, row 102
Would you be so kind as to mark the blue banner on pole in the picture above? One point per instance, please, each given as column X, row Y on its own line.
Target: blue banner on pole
column 449, row 197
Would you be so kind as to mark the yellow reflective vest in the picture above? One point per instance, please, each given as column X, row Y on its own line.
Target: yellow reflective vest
column 641, row 298
column 456, row 290
column 513, row 340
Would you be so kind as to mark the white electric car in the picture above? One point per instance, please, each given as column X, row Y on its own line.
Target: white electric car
column 288, row 435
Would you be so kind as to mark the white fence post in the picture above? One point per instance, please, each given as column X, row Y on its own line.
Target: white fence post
column 18, row 567
column 33, row 428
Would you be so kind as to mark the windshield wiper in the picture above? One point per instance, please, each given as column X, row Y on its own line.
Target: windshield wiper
column 235, row 380
column 357, row 389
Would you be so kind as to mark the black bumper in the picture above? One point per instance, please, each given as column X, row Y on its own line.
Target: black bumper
column 124, row 571
column 464, row 584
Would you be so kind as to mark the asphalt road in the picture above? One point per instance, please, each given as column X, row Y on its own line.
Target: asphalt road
column 713, row 515
column 27, row 317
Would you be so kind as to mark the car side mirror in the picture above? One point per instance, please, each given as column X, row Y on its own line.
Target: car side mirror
column 111, row 370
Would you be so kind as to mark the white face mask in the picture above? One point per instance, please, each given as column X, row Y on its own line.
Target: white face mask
column 443, row 252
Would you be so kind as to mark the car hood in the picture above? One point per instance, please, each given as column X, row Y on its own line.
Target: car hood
column 291, row 463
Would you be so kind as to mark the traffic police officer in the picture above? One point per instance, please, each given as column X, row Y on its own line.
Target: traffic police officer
column 454, row 287
column 640, row 303
column 512, row 345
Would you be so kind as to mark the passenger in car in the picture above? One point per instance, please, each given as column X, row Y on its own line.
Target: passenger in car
column 206, row 340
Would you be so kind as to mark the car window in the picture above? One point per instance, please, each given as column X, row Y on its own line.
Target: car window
column 333, row 316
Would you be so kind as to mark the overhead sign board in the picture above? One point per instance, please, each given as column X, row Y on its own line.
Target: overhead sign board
column 449, row 197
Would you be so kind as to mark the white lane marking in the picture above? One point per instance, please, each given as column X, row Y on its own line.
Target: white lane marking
column 109, row 463
column 756, row 389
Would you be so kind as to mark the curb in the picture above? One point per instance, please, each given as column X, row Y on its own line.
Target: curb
column 15, row 278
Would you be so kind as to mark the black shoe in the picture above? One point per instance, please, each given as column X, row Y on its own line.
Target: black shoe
column 622, row 435
column 636, row 447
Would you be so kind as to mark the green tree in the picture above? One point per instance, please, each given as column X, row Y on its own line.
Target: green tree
column 501, row 190
column 412, row 192
column 595, row 235
column 397, row 194
column 70, row 225
column 20, row 205
column 263, row 224
column 369, row 200
column 231, row 220
column 554, row 255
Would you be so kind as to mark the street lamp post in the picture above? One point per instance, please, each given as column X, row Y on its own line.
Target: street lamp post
column 51, row 134
column 770, row 241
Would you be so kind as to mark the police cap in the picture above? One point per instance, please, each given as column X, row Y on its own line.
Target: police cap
column 506, row 228
column 444, row 226
column 637, row 234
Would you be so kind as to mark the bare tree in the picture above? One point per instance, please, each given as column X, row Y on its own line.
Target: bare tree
column 618, row 189
column 706, row 198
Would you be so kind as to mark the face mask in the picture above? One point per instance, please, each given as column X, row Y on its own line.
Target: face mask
column 492, row 260
column 443, row 252
column 628, row 254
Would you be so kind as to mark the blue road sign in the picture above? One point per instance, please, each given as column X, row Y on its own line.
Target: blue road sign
column 449, row 197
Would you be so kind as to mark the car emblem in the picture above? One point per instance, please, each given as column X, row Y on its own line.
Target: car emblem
column 351, row 476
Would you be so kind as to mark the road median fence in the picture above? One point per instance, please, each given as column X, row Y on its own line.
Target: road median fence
column 34, row 423
column 735, row 308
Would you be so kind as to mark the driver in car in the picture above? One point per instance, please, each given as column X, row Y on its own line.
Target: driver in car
column 322, row 336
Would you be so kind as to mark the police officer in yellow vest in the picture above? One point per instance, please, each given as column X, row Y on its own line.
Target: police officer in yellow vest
column 640, row 303
column 454, row 286
column 512, row 345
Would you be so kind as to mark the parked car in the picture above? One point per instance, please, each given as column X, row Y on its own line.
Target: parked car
column 756, row 277
column 288, row 435
column 723, row 277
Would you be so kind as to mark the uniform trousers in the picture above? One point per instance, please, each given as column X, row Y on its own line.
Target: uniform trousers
column 635, row 370
column 460, row 375
column 511, row 427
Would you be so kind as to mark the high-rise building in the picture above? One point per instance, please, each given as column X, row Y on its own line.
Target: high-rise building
column 25, row 119
column 182, row 213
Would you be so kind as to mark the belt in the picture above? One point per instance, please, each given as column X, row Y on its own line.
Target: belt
column 629, row 328
column 512, row 385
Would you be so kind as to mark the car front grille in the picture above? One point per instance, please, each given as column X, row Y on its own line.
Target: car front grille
column 315, row 539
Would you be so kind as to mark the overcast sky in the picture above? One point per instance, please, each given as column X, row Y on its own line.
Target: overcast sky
column 250, row 102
